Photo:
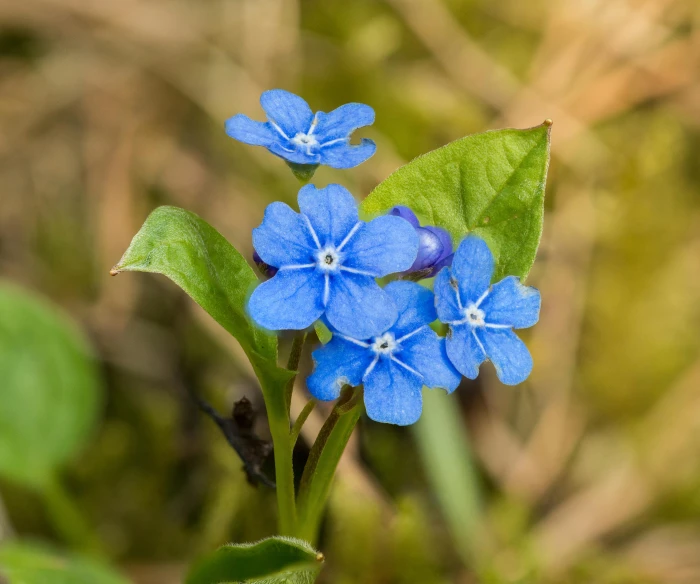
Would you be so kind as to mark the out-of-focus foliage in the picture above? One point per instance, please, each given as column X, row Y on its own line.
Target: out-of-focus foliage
column 33, row 564
column 50, row 390
column 591, row 468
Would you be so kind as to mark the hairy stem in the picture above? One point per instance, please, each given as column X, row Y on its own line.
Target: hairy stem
column 299, row 422
column 284, row 471
column 293, row 365
column 279, row 420
column 323, row 460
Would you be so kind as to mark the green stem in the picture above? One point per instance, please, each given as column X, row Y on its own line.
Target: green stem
column 323, row 461
column 278, row 417
column 284, row 470
column 293, row 365
column 299, row 422
column 68, row 519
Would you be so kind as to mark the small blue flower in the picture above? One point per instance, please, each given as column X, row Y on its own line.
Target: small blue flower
column 482, row 318
column 327, row 262
column 393, row 365
column 294, row 133
column 434, row 251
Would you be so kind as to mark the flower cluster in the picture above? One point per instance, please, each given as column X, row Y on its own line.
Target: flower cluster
column 323, row 263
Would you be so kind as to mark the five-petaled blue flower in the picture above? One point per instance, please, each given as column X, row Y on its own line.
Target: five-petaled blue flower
column 393, row 365
column 481, row 318
column 435, row 249
column 327, row 262
column 295, row 133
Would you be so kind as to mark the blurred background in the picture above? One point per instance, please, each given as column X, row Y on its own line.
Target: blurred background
column 589, row 471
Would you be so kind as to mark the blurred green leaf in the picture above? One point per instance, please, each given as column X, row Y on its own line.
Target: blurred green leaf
column 447, row 458
column 23, row 563
column 185, row 248
column 277, row 560
column 491, row 184
column 50, row 389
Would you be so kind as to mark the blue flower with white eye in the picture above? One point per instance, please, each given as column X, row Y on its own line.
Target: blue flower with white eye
column 393, row 365
column 482, row 317
column 434, row 250
column 295, row 133
column 327, row 262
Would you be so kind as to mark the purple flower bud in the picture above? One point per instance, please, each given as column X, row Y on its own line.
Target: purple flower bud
column 265, row 269
column 405, row 213
column 434, row 251
column 429, row 250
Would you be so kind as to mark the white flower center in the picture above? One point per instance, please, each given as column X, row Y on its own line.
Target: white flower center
column 474, row 316
column 305, row 140
column 328, row 259
column 384, row 345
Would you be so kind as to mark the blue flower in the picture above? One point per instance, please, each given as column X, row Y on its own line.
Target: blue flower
column 295, row 133
column 327, row 262
column 393, row 365
column 434, row 251
column 481, row 318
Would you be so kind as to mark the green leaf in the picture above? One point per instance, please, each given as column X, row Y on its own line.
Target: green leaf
column 50, row 388
column 185, row 248
column 21, row 563
column 277, row 560
column 491, row 184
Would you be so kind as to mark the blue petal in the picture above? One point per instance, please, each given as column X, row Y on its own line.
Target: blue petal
column 242, row 128
column 393, row 394
column 508, row 354
column 383, row 246
column 358, row 307
column 446, row 297
column 416, row 306
column 337, row 363
column 345, row 155
column 405, row 213
column 472, row 266
column 283, row 237
column 511, row 303
column 293, row 153
column 444, row 262
column 292, row 300
column 464, row 351
column 290, row 112
column 426, row 353
column 342, row 121
column 332, row 212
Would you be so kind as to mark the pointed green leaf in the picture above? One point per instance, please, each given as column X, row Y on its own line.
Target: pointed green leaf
column 491, row 184
column 185, row 248
column 277, row 560
column 22, row 563
column 49, row 388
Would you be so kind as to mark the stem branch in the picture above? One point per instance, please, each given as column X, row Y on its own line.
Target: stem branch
column 299, row 422
column 323, row 460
